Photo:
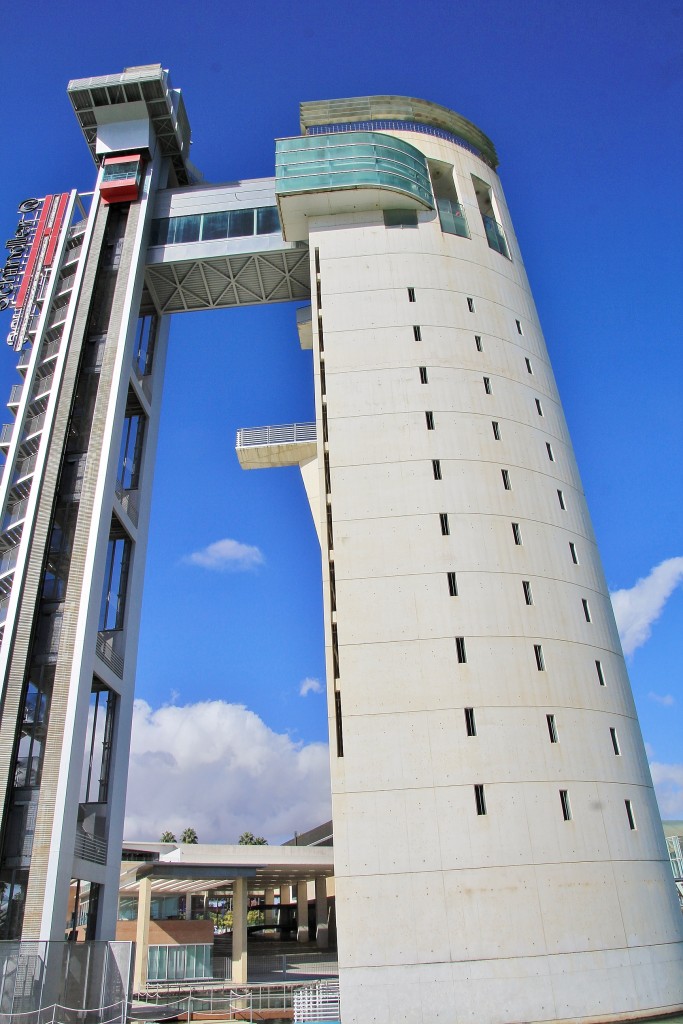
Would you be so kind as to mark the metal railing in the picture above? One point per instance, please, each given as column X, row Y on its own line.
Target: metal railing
column 15, row 394
column 43, row 386
column 90, row 848
column 495, row 236
column 26, row 467
column 24, row 358
column 104, row 648
column 6, row 433
column 33, row 425
column 4, row 605
column 50, row 349
column 9, row 560
column 129, row 501
column 15, row 513
column 287, row 433
column 319, row 1002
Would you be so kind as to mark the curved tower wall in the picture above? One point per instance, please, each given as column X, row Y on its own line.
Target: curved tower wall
column 445, row 913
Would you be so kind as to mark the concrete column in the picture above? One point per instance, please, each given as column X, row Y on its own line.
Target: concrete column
column 142, row 935
column 302, row 912
column 188, row 906
column 321, row 936
column 239, row 931
column 269, row 899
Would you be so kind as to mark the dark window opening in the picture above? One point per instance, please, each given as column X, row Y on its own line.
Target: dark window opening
column 480, row 799
column 552, row 728
column 506, row 479
column 436, row 468
column 526, row 587
column 429, row 416
column 517, row 533
column 423, row 375
column 417, row 332
column 470, row 724
column 566, row 806
column 452, row 584
column 443, row 520
column 460, row 649
column 538, row 655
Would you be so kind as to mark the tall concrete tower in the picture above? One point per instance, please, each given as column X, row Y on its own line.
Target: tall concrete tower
column 498, row 850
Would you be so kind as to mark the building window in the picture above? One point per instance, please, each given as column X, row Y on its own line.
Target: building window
column 528, row 365
column 470, row 724
column 460, row 649
column 143, row 346
column 423, row 375
column 560, row 498
column 566, row 806
column 539, row 407
column 586, row 609
column 630, row 815
column 552, row 728
column 526, row 587
column 335, row 650
column 506, row 479
column 338, row 723
column 517, row 533
column 452, row 584
column 328, row 475
column 400, row 218
column 411, row 295
column 615, row 742
column 417, row 332
column 487, row 386
column 443, row 519
column 480, row 799
column 130, row 452
column 477, row 342
column 549, row 449
column 540, row 660
column 436, row 468
column 519, row 327
column 98, row 744
column 496, row 430
column 470, row 304
column 601, row 674
column 113, row 604
column 572, row 552
column 429, row 416
column 495, row 236
column 451, row 213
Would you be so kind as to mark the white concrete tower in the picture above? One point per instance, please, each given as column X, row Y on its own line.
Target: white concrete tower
column 498, row 850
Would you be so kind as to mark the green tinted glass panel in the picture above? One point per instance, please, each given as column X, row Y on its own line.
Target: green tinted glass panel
column 349, row 160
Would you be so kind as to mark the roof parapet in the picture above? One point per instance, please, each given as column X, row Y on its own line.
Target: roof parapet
column 396, row 108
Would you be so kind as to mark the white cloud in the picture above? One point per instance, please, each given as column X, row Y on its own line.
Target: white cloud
column 310, row 686
column 665, row 699
column 218, row 768
column 226, row 554
column 668, row 780
column 637, row 607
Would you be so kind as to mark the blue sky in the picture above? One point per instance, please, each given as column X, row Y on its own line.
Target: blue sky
column 583, row 103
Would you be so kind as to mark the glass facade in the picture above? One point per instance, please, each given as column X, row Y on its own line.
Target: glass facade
column 171, row 963
column 313, row 163
column 205, row 227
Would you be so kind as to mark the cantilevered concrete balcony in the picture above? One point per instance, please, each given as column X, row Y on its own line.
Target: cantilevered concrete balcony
column 346, row 172
column 286, row 445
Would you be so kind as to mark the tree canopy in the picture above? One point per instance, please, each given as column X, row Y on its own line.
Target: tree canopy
column 168, row 837
column 249, row 839
column 189, row 836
